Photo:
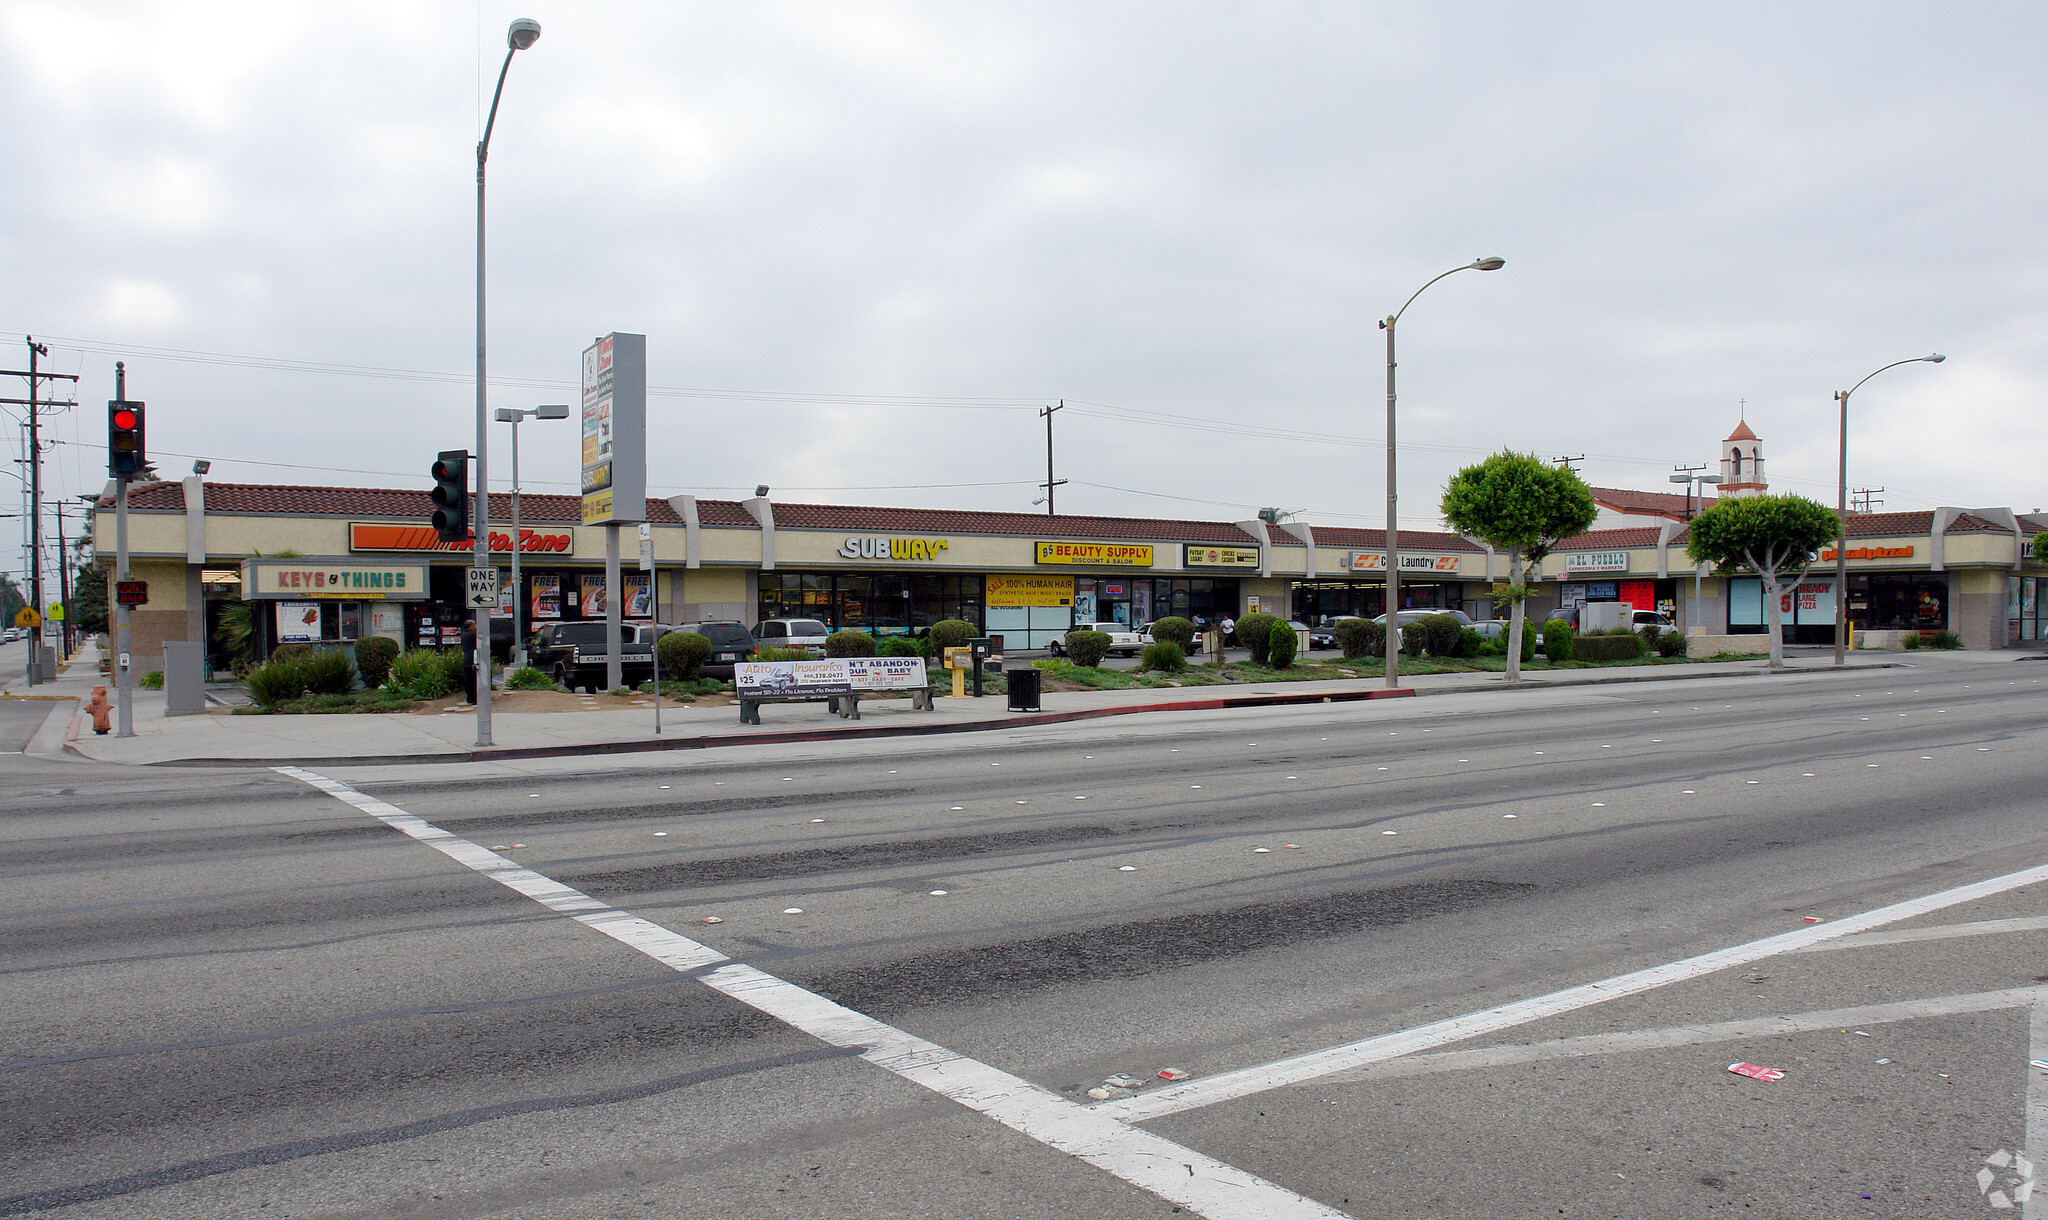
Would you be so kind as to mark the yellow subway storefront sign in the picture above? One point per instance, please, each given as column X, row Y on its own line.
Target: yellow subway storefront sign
column 1009, row 592
column 1095, row 554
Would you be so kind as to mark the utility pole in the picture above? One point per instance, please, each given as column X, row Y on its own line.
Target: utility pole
column 35, row 491
column 1050, row 482
column 63, row 586
column 1566, row 462
column 1862, row 501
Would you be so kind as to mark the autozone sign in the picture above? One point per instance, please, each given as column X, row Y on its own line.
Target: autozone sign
column 380, row 536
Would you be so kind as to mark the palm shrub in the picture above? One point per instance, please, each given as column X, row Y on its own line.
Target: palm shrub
column 1439, row 634
column 1280, row 644
column 1088, row 647
column 374, row 655
column 327, row 671
column 426, row 673
column 1165, row 656
column 1910, row 640
column 1557, row 640
column 1174, row 629
column 849, row 643
column 683, row 654
column 276, row 681
column 1255, row 631
column 1360, row 637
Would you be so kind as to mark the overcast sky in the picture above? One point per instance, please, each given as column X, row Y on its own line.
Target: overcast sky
column 867, row 241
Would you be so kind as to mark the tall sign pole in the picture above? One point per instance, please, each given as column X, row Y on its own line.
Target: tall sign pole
column 124, row 682
column 614, row 463
column 36, row 378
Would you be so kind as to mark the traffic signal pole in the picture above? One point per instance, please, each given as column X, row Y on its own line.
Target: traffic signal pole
column 124, row 683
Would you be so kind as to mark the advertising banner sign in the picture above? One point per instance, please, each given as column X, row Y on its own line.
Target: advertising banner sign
column 1195, row 555
column 1376, row 561
column 637, row 589
column 822, row 678
column 615, row 429
column 547, row 596
column 1095, row 554
column 593, row 595
column 1009, row 592
column 298, row 622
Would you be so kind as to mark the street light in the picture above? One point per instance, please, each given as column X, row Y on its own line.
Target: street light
column 1842, row 508
column 1692, row 478
column 1393, row 526
column 520, row 35
column 512, row 415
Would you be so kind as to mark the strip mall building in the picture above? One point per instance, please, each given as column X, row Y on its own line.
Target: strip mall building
column 336, row 563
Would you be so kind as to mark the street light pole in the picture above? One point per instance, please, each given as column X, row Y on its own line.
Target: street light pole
column 1842, row 509
column 1692, row 477
column 519, row 36
column 512, row 415
column 1393, row 642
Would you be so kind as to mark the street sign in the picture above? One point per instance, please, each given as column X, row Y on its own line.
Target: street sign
column 131, row 592
column 646, row 547
column 483, row 588
column 27, row 617
column 56, row 614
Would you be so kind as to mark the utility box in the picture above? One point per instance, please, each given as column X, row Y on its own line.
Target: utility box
column 1602, row 616
column 184, row 678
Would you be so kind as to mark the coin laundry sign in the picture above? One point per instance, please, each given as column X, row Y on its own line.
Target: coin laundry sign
column 881, row 546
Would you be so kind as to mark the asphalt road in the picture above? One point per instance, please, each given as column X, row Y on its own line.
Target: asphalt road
column 424, row 993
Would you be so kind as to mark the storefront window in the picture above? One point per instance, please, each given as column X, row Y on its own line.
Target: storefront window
column 1899, row 602
column 883, row 603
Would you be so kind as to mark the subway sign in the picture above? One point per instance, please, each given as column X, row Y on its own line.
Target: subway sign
column 882, row 546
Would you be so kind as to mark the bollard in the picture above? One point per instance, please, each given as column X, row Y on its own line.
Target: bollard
column 102, row 714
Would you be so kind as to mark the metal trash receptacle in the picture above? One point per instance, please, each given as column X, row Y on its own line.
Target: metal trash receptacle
column 1023, row 689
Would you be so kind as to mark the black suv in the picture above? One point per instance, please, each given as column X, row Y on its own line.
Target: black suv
column 731, row 643
column 573, row 654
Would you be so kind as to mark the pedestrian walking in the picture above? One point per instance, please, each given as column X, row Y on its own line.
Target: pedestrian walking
column 469, row 661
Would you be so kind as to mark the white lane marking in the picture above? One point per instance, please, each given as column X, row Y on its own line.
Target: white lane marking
column 2036, row 1206
column 1228, row 1086
column 1900, row 936
column 1202, row 1184
column 1691, row 1035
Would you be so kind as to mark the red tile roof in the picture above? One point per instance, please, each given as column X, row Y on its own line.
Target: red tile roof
column 1593, row 540
column 1374, row 540
column 1659, row 503
column 1019, row 525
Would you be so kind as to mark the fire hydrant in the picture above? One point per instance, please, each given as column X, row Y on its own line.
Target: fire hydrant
column 102, row 713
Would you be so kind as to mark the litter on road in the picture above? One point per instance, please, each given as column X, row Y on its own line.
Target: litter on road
column 1173, row 1074
column 1755, row 1072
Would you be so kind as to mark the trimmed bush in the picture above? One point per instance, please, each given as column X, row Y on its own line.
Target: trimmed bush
column 1439, row 634
column 1280, row 645
column 1605, row 646
column 1360, row 637
column 1174, row 629
column 683, row 654
column 426, row 673
column 374, row 655
column 276, row 681
column 1087, row 647
column 1557, row 640
column 949, row 633
column 528, row 678
column 1945, row 639
column 1469, row 642
column 849, row 644
column 899, row 646
column 328, row 671
column 1255, row 631
column 1165, row 656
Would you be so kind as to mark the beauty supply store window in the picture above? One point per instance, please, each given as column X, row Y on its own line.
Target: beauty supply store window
column 878, row 603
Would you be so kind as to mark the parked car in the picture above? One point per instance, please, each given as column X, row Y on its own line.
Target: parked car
column 1409, row 616
column 806, row 633
column 1496, row 629
column 1319, row 638
column 574, row 655
column 731, row 643
column 10, row 635
column 1145, row 633
column 1121, row 639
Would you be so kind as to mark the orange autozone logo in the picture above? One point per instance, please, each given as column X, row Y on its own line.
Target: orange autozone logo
column 372, row 536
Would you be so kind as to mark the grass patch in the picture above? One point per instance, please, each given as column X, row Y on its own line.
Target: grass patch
column 686, row 692
column 383, row 699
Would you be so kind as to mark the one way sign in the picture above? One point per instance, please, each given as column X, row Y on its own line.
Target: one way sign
column 483, row 588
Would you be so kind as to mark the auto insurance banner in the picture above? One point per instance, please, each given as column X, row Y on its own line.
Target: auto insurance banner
column 818, row 679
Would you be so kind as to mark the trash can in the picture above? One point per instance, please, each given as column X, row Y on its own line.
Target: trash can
column 1023, row 689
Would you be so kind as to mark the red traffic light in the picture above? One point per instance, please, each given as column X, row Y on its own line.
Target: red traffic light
column 124, row 418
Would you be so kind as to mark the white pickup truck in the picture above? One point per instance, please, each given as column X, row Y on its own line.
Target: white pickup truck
column 1121, row 639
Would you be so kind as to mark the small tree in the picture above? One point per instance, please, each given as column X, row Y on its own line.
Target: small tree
column 1770, row 536
column 1520, row 504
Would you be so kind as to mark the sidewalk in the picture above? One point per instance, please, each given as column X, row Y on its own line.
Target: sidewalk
column 221, row 739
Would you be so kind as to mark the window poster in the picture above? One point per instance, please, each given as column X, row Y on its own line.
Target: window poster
column 593, row 595
column 547, row 596
column 638, row 590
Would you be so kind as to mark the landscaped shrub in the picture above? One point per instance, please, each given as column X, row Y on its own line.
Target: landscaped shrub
column 426, row 673
column 1557, row 640
column 290, row 652
column 900, row 646
column 1165, row 656
column 1605, row 646
column 328, row 672
column 1439, row 634
column 1670, row 644
column 1255, row 631
column 1360, row 637
column 275, row 681
column 1087, row 647
column 374, row 655
column 1469, row 642
column 1945, row 639
column 683, row 653
column 849, row 644
column 1280, row 644
column 1174, row 629
column 528, row 678
column 769, row 652
column 1911, row 640
column 949, row 633
column 153, row 680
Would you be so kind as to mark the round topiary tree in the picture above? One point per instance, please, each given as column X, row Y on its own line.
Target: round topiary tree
column 849, row 644
column 1557, row 640
column 950, row 633
column 1439, row 634
column 374, row 655
column 1087, row 647
column 1174, row 629
column 1280, row 644
column 1255, row 631
column 683, row 654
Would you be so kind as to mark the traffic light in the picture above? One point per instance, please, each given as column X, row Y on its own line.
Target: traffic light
column 125, row 455
column 451, row 495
